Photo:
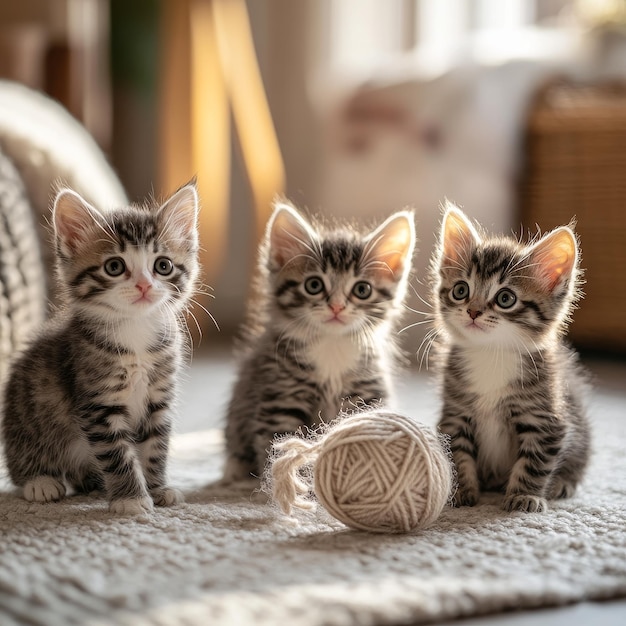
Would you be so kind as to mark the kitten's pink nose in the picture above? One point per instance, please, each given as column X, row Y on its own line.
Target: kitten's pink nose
column 473, row 313
column 336, row 307
column 143, row 284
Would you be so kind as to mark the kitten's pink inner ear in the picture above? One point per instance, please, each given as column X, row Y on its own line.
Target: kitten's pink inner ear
column 73, row 217
column 181, row 211
column 555, row 256
column 289, row 235
column 393, row 244
column 459, row 235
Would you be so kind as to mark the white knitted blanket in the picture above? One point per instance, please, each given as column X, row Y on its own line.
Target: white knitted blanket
column 225, row 558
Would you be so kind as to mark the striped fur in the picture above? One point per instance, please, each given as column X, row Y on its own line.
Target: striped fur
column 316, row 354
column 513, row 392
column 88, row 404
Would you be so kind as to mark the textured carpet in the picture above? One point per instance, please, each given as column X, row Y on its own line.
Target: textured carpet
column 225, row 558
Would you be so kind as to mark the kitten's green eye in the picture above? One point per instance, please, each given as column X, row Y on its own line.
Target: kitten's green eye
column 314, row 285
column 505, row 298
column 163, row 266
column 461, row 290
column 115, row 266
column 362, row 290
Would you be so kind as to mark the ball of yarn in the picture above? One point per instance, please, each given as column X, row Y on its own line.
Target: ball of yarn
column 376, row 471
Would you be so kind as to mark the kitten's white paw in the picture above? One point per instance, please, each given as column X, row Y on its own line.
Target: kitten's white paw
column 131, row 506
column 44, row 489
column 526, row 503
column 167, row 496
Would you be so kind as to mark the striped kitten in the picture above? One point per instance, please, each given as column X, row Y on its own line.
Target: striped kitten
column 325, row 343
column 89, row 402
column 512, row 391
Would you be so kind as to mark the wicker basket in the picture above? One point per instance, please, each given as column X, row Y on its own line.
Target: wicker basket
column 576, row 167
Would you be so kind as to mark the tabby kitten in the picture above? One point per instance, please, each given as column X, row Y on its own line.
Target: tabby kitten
column 325, row 342
column 89, row 402
column 512, row 391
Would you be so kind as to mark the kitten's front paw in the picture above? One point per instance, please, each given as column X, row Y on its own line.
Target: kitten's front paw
column 44, row 489
column 131, row 506
column 166, row 496
column 525, row 502
column 465, row 496
column 561, row 489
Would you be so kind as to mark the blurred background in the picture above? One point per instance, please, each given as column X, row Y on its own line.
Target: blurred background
column 515, row 110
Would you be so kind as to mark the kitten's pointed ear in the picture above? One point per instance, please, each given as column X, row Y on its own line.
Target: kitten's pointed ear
column 458, row 234
column 179, row 214
column 288, row 234
column 392, row 244
column 554, row 257
column 74, row 220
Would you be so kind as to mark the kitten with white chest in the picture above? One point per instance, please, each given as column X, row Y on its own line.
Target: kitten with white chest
column 323, row 339
column 513, row 392
column 89, row 403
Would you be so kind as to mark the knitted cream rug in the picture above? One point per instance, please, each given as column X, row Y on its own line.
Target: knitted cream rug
column 224, row 557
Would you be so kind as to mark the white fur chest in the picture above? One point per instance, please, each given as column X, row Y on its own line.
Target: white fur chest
column 137, row 335
column 334, row 357
column 138, row 364
column 138, row 372
column 490, row 374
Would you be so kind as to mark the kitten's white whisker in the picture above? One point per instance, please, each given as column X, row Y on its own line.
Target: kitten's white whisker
column 532, row 358
column 204, row 293
column 414, row 324
column 297, row 323
column 425, row 302
column 193, row 317
column 426, row 343
column 426, row 353
column 365, row 336
column 194, row 303
column 424, row 313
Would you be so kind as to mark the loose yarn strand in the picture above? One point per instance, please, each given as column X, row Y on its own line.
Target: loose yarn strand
column 287, row 486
